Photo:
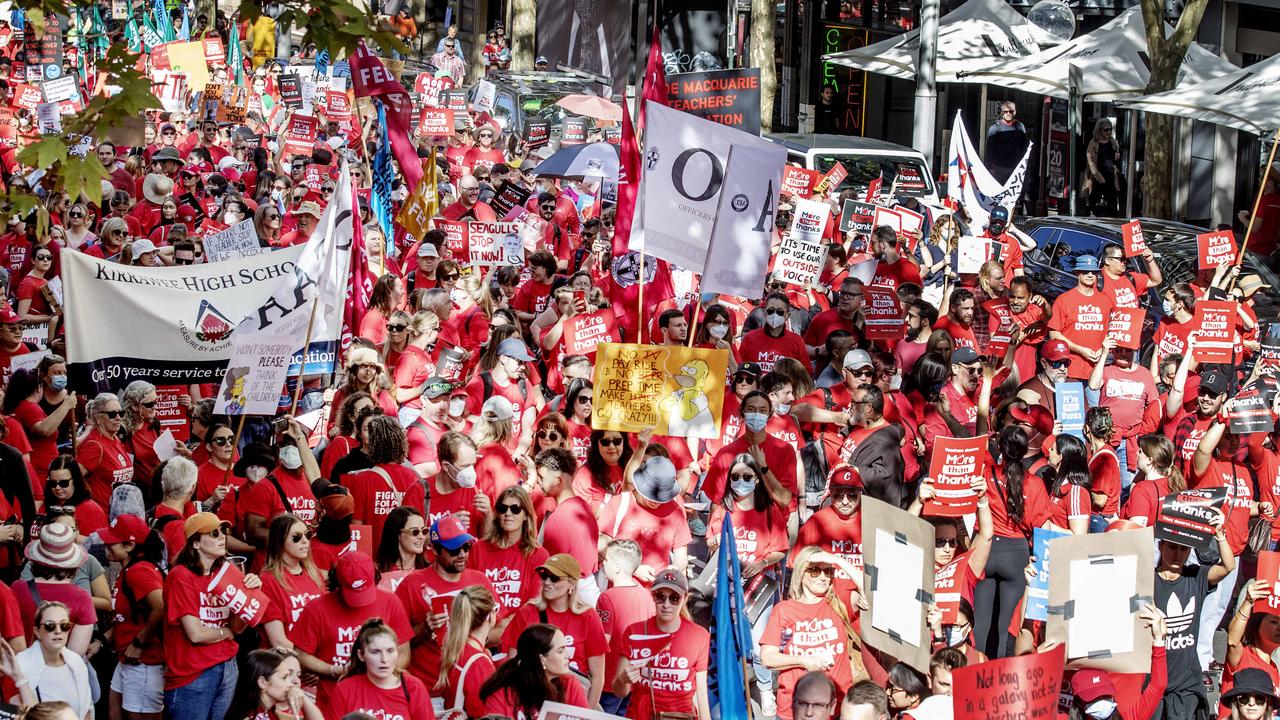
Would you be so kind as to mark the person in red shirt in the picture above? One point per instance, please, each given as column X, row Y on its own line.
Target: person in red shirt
column 1080, row 317
column 388, row 484
column 961, row 391
column 468, row 205
column 555, row 238
column 571, row 527
column 104, row 460
column 120, row 178
column 464, row 652
column 893, row 270
column 531, row 298
column 1126, row 288
column 958, row 320
column 509, row 554
column 138, row 614
column 1009, row 252
column 837, row 529
column 566, row 212
column 649, row 514
column 846, row 315
column 428, row 593
column 540, row 669
column 778, row 461
column 453, row 490
column 1104, row 468
column 674, row 678
column 207, row 139
column 766, row 344
column 484, row 154
column 374, row 684
column 307, row 216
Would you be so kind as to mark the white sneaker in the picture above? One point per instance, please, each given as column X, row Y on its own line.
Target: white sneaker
column 768, row 704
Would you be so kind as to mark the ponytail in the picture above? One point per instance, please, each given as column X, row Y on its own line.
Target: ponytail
column 1012, row 445
column 471, row 608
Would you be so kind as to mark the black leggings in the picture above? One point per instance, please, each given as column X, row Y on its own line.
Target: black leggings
column 998, row 594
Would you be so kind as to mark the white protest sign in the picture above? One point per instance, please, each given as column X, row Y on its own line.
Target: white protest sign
column 738, row 254
column 165, row 446
column 490, row 246
column 171, row 88
column 885, row 216
column 28, row 361
column 486, row 94
column 55, row 287
column 48, row 119
column 238, row 241
column 802, row 254
column 63, row 88
column 255, row 375
column 684, row 173
column 972, row 253
column 865, row 270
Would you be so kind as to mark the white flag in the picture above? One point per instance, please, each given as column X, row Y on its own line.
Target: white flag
column 738, row 255
column 970, row 184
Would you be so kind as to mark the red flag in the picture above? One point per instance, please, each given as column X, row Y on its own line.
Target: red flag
column 655, row 77
column 359, row 282
column 370, row 78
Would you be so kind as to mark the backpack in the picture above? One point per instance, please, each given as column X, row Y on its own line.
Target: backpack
column 814, row 458
column 486, row 379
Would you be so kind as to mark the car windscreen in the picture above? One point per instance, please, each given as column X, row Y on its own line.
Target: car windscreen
column 910, row 174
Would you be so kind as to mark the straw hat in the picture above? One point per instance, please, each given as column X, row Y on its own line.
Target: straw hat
column 156, row 187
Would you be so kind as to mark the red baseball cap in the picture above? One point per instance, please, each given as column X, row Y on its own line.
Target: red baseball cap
column 447, row 532
column 1054, row 350
column 8, row 316
column 1090, row 684
column 845, row 476
column 356, row 579
column 1037, row 416
column 125, row 528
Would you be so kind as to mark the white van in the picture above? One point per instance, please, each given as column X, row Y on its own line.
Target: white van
column 865, row 159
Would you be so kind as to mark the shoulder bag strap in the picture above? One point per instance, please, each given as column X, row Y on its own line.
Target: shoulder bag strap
column 623, row 506
column 387, row 477
column 462, row 679
column 288, row 507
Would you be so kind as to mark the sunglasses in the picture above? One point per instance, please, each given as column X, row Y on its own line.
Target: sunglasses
column 220, row 441
column 414, row 532
column 465, row 548
column 298, row 536
column 839, row 495
column 217, row 533
column 544, row 207
column 662, row 598
column 149, row 405
column 863, row 372
column 610, row 442
column 503, row 509
column 43, row 258
column 396, row 327
column 743, row 476
column 77, row 214
column 745, row 379
column 1059, row 364
column 818, row 570
column 584, row 400
column 113, row 414
column 548, row 576
column 451, row 277
column 775, row 311
column 52, row 626
column 548, row 435
column 118, row 233
column 945, row 542
column 60, row 483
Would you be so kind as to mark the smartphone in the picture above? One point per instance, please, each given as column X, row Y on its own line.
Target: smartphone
column 580, row 300
column 280, row 426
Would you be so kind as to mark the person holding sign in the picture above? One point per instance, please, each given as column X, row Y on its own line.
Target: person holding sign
column 894, row 270
column 1094, row 693
column 766, row 344
column 1252, row 637
column 1176, row 326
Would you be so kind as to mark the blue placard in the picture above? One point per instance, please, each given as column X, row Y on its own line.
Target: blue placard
column 320, row 359
column 1038, row 590
column 1069, row 407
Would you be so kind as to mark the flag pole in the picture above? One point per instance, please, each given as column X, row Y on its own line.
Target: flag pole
column 306, row 345
column 1257, row 201
column 693, row 328
column 640, row 297
column 235, row 445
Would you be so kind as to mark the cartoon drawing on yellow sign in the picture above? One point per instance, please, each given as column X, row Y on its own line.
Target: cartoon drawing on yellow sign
column 677, row 391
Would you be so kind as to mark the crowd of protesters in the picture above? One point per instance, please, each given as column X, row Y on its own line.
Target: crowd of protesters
column 466, row 545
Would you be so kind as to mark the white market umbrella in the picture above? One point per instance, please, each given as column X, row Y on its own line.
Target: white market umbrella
column 971, row 37
column 1246, row 99
column 1112, row 60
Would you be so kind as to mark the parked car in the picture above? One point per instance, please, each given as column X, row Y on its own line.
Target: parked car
column 532, row 95
column 1060, row 240
column 865, row 159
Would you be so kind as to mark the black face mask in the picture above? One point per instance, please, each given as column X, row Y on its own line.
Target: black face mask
column 996, row 228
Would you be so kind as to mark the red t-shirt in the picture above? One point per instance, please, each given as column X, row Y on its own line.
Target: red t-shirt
column 143, row 578
column 1074, row 502
column 107, row 462
column 327, row 628
column 825, row 323
column 1124, row 293
column 587, row 489
column 513, row 574
column 459, row 502
column 1105, row 469
column 1143, row 504
column 496, row 469
column 893, row 275
column 961, row 335
column 424, row 437
column 511, row 391
column 621, row 607
column 1083, row 320
column 657, row 531
column 426, row 593
column 572, row 528
column 1239, row 484
column 287, row 603
column 11, row 624
column 778, row 455
column 669, row 679
column 477, row 157
column 756, row 533
column 376, row 496
column 583, row 635
column 506, row 703
column 338, row 448
column 410, row 701
column 412, row 370
column 77, row 599
column 531, row 297
column 759, row 347
column 477, row 672
column 263, row 499
column 815, row 629
column 1035, row 505
column 186, row 593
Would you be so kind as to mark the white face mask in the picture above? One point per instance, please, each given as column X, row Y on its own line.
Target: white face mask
column 782, row 408
column 255, row 473
column 775, row 321
column 718, row 331
column 1168, row 307
column 457, row 406
column 290, row 457
column 465, row 478
column 742, row 488
column 1101, row 709
column 954, row 635
column 895, row 382
column 231, row 218
column 755, row 422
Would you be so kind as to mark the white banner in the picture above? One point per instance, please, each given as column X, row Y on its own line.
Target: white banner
column 738, row 254
column 239, row 240
column 969, row 183
column 684, row 173
column 802, row 254
column 495, row 243
column 255, row 376
column 166, row 325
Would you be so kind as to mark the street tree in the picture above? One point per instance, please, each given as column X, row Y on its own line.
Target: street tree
column 763, row 15
column 524, row 17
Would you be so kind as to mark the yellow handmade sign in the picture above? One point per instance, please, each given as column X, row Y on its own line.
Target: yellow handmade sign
column 678, row 391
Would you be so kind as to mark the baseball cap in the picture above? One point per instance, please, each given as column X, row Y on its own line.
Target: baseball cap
column 514, row 348
column 447, row 532
column 428, row 250
column 337, row 504
column 8, row 316
column 1000, row 214
column 748, row 368
column 497, row 408
column 541, row 60
column 1086, row 263
column 1037, row 416
column 1214, row 380
column 855, row 359
column 202, row 522
column 436, row 387
column 563, row 565
column 964, row 355
column 356, row 579
column 671, row 579
column 845, row 476
column 1090, row 684
column 1055, row 350
column 125, row 528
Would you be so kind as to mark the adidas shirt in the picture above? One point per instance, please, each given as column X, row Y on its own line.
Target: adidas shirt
column 1180, row 600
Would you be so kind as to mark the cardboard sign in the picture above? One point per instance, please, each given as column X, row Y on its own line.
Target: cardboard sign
column 798, row 181
column 1269, row 354
column 584, row 333
column 883, row 313
column 1038, row 589
column 1216, row 248
column 953, row 466
column 1025, row 686
column 729, row 97
column 575, row 130
column 172, row 416
column 300, row 135
column 1250, row 411
column 679, row 391
column 537, row 133
column 897, row 554
column 248, row 604
column 1215, row 333
column 255, row 373
column 802, row 253
column 1134, row 244
column 1125, row 327
column 972, row 252
column 508, row 197
column 437, row 122
column 1184, row 517
column 457, row 238
column 832, row 179
column 61, row 88
column 490, row 247
column 239, row 240
column 857, row 217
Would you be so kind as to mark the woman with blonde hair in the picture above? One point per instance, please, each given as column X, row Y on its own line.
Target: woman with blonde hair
column 810, row 600
column 510, row 540
column 367, row 374
column 471, row 621
column 290, row 577
column 468, row 325
column 79, row 227
column 1102, row 183
column 113, row 239
column 415, row 358
column 559, row 605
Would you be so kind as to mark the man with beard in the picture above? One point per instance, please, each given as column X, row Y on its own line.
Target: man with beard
column 893, row 269
column 846, row 316
column 874, row 447
column 921, row 317
column 1080, row 317
column 1055, row 357
column 959, row 319
column 960, row 394
column 1129, row 390
column 468, row 206
column 837, row 529
column 1026, row 312
column 1190, row 428
column 555, row 238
